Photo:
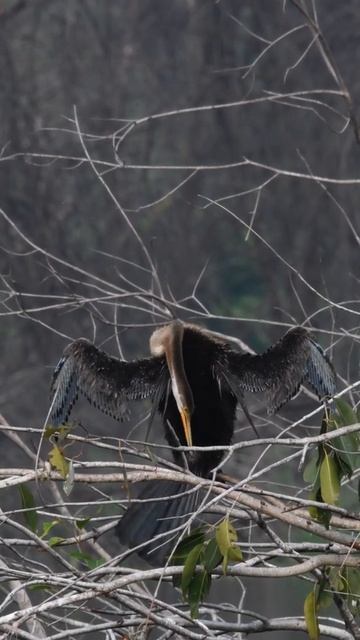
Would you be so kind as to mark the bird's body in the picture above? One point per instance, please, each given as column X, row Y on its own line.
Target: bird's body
column 213, row 416
column 195, row 380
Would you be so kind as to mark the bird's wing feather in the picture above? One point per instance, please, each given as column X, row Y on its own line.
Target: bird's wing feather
column 105, row 381
column 151, row 523
column 280, row 371
column 320, row 373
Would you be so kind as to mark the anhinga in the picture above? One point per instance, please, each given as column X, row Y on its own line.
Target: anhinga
column 195, row 380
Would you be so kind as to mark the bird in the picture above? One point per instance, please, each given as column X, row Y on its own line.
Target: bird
column 195, row 379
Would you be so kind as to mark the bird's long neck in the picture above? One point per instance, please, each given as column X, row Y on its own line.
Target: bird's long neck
column 175, row 361
column 169, row 341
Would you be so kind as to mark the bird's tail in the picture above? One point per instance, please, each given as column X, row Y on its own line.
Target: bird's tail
column 151, row 526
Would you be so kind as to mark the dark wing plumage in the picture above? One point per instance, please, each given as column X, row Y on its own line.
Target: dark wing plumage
column 320, row 373
column 105, row 381
column 154, row 515
column 280, row 371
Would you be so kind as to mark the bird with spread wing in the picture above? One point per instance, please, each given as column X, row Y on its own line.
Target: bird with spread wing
column 195, row 380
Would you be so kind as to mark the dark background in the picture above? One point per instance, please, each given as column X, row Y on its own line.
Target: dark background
column 116, row 60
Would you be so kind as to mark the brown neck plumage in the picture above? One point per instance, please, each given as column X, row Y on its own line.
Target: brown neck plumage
column 168, row 340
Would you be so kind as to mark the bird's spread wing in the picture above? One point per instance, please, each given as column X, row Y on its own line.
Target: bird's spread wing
column 280, row 371
column 105, row 381
column 320, row 373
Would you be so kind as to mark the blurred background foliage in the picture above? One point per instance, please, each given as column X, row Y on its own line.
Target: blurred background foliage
column 124, row 59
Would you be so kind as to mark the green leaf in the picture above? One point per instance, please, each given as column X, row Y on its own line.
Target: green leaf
column 329, row 479
column 344, row 464
column 184, row 547
column 226, row 536
column 55, row 540
column 346, row 414
column 58, row 461
column 310, row 615
column 195, row 585
column 316, row 486
column 60, row 432
column 235, row 554
column 323, row 595
column 28, row 502
column 47, row 526
column 347, row 448
column 324, row 599
column 39, row 586
column 189, row 568
column 354, row 581
column 351, row 580
column 311, row 470
column 212, row 555
column 198, row 589
column 321, row 515
column 336, row 579
column 81, row 524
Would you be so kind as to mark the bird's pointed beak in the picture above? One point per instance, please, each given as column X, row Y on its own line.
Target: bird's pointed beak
column 186, row 420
